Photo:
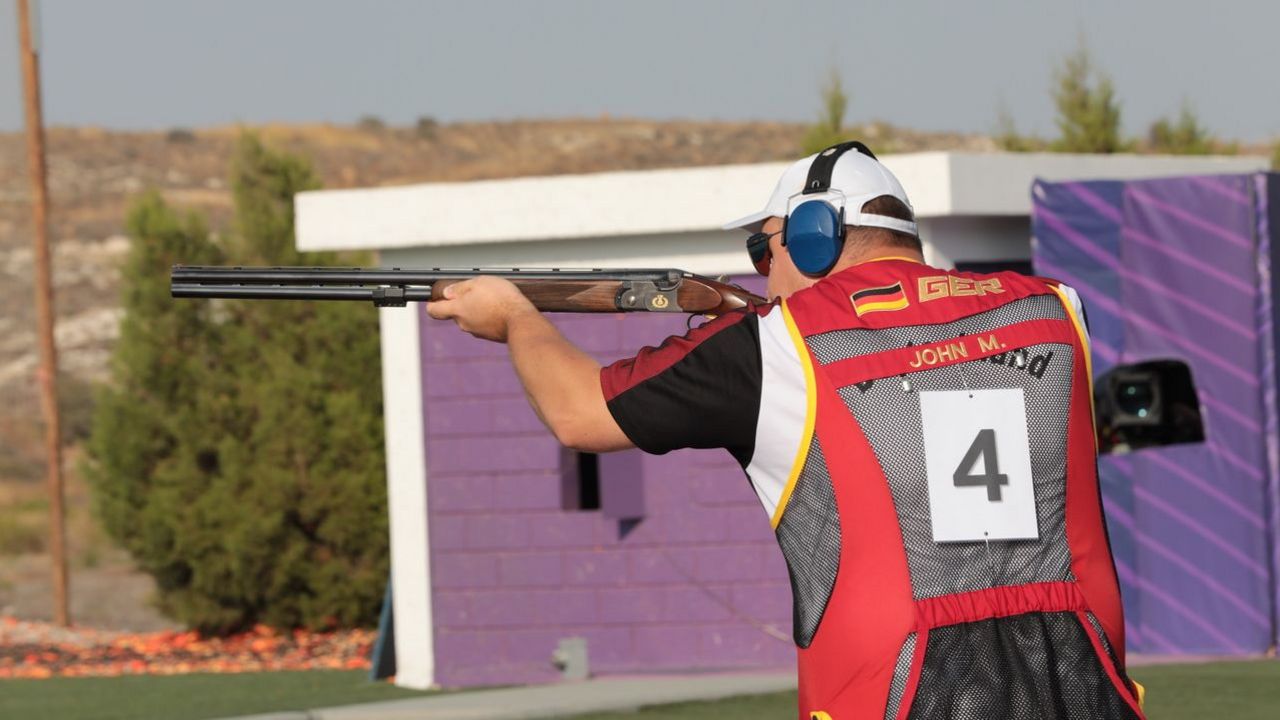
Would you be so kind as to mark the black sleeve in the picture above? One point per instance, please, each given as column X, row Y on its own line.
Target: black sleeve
column 699, row 390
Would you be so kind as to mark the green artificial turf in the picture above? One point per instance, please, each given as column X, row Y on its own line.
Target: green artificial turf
column 776, row 706
column 1236, row 690
column 190, row 697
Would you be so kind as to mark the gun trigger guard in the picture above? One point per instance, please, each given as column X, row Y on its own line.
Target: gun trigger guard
column 706, row 318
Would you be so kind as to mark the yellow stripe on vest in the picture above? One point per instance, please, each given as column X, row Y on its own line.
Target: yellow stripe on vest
column 810, row 416
column 1088, row 352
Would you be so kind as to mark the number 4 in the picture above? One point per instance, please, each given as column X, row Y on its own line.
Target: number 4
column 983, row 446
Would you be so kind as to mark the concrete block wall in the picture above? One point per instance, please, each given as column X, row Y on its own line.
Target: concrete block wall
column 698, row 583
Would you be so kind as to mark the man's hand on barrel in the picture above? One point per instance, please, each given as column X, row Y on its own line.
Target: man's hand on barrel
column 484, row 306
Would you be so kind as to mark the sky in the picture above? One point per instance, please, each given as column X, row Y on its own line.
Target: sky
column 925, row 64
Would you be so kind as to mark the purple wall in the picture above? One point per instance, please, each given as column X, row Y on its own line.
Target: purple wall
column 1177, row 268
column 697, row 583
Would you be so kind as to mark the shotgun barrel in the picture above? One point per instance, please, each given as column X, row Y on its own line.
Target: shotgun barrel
column 550, row 290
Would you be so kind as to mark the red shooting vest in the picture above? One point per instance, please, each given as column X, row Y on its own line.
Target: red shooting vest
column 905, row 605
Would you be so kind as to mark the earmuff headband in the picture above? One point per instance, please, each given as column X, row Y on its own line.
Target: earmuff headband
column 813, row 230
column 819, row 179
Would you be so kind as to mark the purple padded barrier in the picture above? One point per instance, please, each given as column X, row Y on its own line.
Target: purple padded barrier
column 697, row 583
column 1173, row 268
column 1266, row 192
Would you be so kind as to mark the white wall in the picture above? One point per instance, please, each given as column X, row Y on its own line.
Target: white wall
column 685, row 200
column 949, row 240
column 706, row 253
column 407, row 496
column 1000, row 183
column 533, row 209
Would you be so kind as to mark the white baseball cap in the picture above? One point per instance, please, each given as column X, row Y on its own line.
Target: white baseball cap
column 858, row 177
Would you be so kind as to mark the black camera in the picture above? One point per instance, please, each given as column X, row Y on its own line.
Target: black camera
column 1148, row 404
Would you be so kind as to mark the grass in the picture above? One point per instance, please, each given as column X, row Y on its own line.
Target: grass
column 191, row 697
column 1236, row 690
column 755, row 707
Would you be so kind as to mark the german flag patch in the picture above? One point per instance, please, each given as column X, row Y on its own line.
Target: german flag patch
column 879, row 299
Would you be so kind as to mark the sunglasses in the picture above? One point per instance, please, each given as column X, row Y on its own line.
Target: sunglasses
column 758, row 249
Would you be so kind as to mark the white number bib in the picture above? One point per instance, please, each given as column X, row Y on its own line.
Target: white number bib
column 979, row 465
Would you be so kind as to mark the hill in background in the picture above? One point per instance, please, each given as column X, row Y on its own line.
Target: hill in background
column 93, row 174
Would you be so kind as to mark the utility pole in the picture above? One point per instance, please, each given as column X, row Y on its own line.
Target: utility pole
column 48, row 372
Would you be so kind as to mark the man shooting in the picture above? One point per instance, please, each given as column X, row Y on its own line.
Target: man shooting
column 921, row 439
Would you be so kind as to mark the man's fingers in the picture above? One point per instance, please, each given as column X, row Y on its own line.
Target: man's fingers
column 482, row 306
column 441, row 309
column 457, row 289
column 448, row 308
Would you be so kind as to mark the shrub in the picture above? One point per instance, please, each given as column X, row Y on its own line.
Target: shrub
column 1088, row 111
column 1008, row 138
column 237, row 454
column 426, row 128
column 371, row 123
column 22, row 533
column 75, row 404
column 829, row 130
column 1186, row 136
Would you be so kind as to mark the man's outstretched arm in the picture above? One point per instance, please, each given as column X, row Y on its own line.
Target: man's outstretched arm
column 561, row 382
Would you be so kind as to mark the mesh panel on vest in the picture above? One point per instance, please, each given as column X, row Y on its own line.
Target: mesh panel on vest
column 890, row 418
column 842, row 344
column 1106, row 645
column 809, row 535
column 901, row 671
column 1038, row 666
column 1102, row 636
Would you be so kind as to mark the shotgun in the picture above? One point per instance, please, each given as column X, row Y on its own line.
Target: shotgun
column 551, row 290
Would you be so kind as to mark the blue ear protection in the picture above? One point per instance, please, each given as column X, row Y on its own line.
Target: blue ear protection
column 814, row 235
column 813, row 231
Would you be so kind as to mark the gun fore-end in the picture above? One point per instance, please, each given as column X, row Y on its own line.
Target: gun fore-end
column 600, row 296
column 676, row 294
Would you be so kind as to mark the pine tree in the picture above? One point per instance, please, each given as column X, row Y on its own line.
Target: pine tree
column 1008, row 138
column 829, row 130
column 238, row 453
column 1186, row 136
column 141, row 440
column 1088, row 111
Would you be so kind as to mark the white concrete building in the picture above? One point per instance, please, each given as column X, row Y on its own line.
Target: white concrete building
column 971, row 208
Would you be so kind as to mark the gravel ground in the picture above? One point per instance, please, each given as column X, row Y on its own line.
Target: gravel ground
column 38, row 650
column 111, row 596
